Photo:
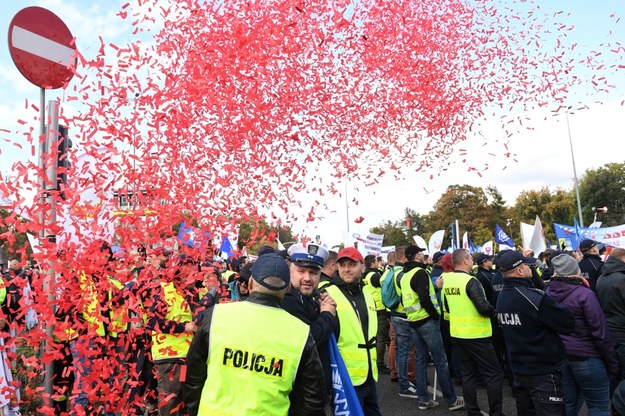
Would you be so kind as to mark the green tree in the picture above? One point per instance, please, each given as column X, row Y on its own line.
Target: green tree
column 601, row 187
column 467, row 204
column 394, row 233
column 13, row 239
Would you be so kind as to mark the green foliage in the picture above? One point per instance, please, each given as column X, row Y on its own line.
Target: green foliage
column 601, row 187
column 13, row 239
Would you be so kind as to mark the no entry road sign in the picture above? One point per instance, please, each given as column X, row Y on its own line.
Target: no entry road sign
column 42, row 47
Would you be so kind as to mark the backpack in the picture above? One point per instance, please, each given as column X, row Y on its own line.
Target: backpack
column 390, row 297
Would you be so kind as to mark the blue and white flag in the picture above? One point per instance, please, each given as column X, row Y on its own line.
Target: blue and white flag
column 345, row 399
column 192, row 236
column 501, row 237
column 226, row 246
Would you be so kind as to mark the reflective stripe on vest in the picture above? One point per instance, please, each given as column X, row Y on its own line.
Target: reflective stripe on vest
column 376, row 292
column 358, row 352
column 256, row 358
column 172, row 345
column 410, row 299
column 464, row 320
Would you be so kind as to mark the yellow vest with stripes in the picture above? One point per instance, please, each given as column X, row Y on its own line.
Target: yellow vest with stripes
column 465, row 321
column 172, row 345
column 410, row 299
column 376, row 292
column 357, row 349
column 256, row 359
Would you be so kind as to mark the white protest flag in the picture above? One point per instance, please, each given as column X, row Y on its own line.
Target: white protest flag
column 537, row 244
column 527, row 231
column 436, row 241
column 34, row 243
column 487, row 248
column 465, row 241
column 280, row 245
column 421, row 243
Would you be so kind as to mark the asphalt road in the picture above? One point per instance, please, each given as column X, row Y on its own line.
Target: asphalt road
column 393, row 405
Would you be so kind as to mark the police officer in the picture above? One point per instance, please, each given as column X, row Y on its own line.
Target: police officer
column 253, row 369
column 358, row 325
column 591, row 263
column 305, row 302
column 531, row 321
column 470, row 328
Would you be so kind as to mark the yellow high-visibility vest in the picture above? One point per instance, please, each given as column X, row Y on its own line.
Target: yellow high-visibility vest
column 465, row 321
column 357, row 349
column 256, row 358
column 172, row 345
column 411, row 300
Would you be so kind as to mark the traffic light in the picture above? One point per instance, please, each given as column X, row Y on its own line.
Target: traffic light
column 452, row 234
column 62, row 161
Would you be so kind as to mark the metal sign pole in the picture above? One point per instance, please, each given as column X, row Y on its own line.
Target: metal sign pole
column 51, row 184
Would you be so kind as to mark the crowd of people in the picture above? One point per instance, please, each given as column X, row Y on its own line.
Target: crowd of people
column 165, row 333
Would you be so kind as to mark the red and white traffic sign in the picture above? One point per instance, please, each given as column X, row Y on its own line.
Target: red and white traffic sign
column 42, row 47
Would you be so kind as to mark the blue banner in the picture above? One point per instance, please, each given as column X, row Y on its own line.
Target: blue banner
column 226, row 246
column 501, row 237
column 346, row 401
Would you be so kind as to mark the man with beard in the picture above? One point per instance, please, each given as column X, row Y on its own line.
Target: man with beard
column 305, row 302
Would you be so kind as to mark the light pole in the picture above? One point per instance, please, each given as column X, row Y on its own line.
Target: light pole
column 568, row 127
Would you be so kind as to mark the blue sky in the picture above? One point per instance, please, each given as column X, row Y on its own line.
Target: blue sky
column 541, row 157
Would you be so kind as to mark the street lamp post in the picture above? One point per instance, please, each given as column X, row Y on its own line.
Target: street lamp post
column 579, row 202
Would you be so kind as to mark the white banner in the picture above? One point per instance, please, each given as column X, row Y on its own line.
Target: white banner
column 527, row 231
column 537, row 243
column 436, row 241
column 421, row 243
column 372, row 244
column 487, row 248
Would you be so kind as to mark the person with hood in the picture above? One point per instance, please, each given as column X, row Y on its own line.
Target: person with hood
column 611, row 294
column 590, row 356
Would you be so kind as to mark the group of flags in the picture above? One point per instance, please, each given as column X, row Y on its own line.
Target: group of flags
column 195, row 237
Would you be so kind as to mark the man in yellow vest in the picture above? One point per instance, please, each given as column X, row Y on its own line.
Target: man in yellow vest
column 373, row 277
column 358, row 325
column 172, row 325
column 470, row 328
column 254, row 368
column 419, row 300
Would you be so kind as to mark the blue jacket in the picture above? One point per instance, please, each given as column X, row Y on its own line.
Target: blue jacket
column 591, row 337
column 531, row 321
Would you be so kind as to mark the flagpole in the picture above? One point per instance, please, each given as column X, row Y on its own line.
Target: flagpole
column 346, row 206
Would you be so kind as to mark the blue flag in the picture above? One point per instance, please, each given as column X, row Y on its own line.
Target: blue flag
column 345, row 401
column 226, row 246
column 577, row 233
column 501, row 237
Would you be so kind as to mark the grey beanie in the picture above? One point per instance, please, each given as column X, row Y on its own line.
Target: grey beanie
column 565, row 266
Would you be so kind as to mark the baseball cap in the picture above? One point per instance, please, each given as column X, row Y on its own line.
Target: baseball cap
column 246, row 272
column 587, row 244
column 412, row 250
column 271, row 265
column 512, row 259
column 265, row 250
column 309, row 255
column 481, row 258
column 350, row 253
column 437, row 256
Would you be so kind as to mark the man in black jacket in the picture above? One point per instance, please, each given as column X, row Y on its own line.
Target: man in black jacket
column 531, row 321
column 252, row 368
column 304, row 301
column 611, row 294
column 591, row 264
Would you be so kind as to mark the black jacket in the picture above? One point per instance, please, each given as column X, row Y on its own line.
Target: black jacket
column 322, row 325
column 531, row 321
column 611, row 294
column 308, row 394
column 485, row 276
column 590, row 267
